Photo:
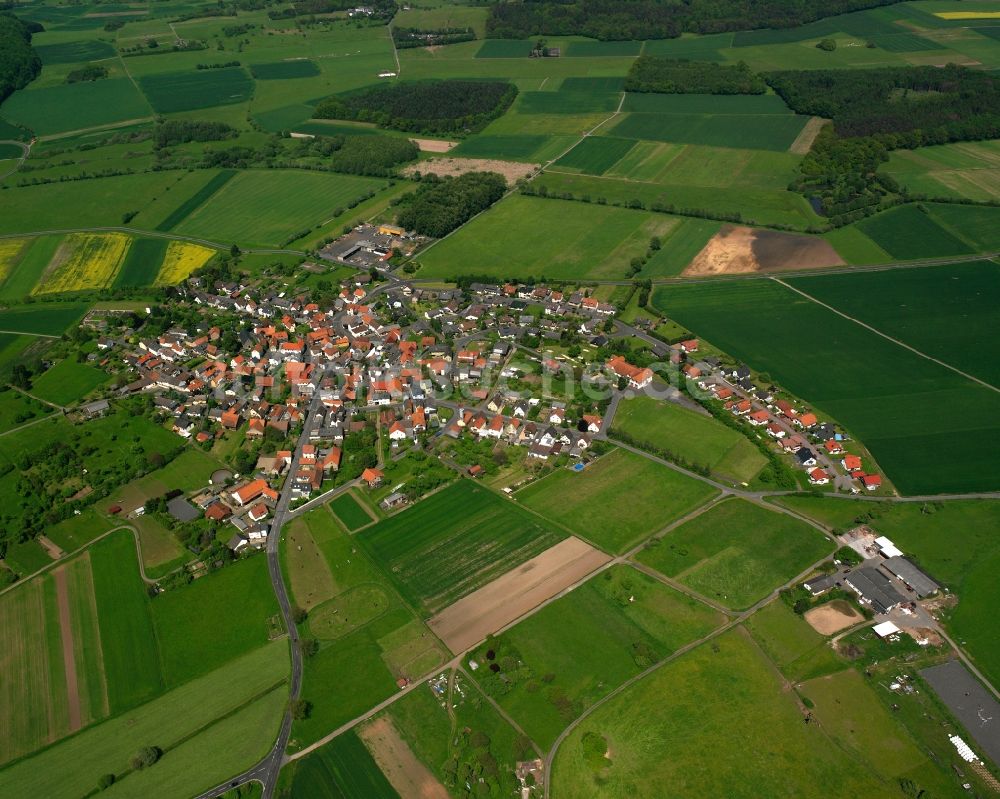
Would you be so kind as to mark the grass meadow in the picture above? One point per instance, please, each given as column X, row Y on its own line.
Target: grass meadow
column 546, row 237
column 341, row 769
column 67, row 382
column 617, row 501
column 736, row 552
column 195, row 200
column 969, row 170
column 17, row 409
column 77, row 106
column 795, row 648
column 891, row 399
column 588, row 642
column 909, row 233
column 720, row 698
column 697, row 438
column 187, row 91
column 454, row 542
column 349, row 512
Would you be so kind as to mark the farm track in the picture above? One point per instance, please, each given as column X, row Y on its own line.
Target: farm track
column 25, row 151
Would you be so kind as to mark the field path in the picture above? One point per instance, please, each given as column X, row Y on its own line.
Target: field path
column 25, row 150
column 69, row 658
column 886, row 336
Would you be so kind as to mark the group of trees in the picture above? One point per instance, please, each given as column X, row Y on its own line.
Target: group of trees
column 87, row 73
column 180, row 131
column 19, row 63
column 435, row 107
column 417, row 37
column 437, row 207
column 656, row 19
column 676, row 76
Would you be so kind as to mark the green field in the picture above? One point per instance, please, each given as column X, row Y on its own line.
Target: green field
column 142, row 262
column 594, row 155
column 697, row 438
column 351, row 514
column 977, row 225
column 908, row 233
column 67, row 382
column 17, row 409
column 730, row 729
column 186, row 91
column 283, row 70
column 581, row 647
column 203, row 625
column 616, row 501
column 796, row 649
column 762, row 132
column 73, row 52
column 566, row 102
column 891, row 399
column 206, row 190
column 453, row 542
column 510, row 147
column 737, row 552
column 50, row 319
column 546, row 237
column 342, row 769
column 267, row 206
column 963, row 169
column 948, row 312
column 76, row 106
column 71, row 768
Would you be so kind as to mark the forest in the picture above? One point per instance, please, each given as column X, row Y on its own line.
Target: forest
column 434, row 107
column 180, row 131
column 615, row 20
column 19, row 63
column 677, row 76
column 437, row 207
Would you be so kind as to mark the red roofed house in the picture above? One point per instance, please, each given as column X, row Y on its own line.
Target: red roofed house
column 230, row 419
column 372, row 476
column 691, row 345
column 331, row 461
column 834, row 447
column 871, row 481
column 760, row 417
column 807, row 420
column 258, row 512
column 637, row 377
column 251, row 491
column 818, row 477
column 851, row 463
column 217, row 512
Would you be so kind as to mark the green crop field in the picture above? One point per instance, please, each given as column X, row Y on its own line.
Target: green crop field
column 855, row 247
column 73, row 52
column 595, row 155
column 131, row 656
column 797, row 649
column 351, row 514
column 203, row 625
column 720, row 698
column 186, row 91
column 546, row 237
column 565, row 102
column 728, row 105
column 697, row 438
column 267, row 206
column 953, row 542
column 755, row 131
column 283, row 70
column 680, row 247
column 892, row 399
column 505, row 48
column 616, row 501
column 737, row 552
column 948, row 312
column 67, row 770
column 342, row 769
column 453, row 542
column 963, row 169
column 594, row 49
column 908, row 233
column 196, row 200
column 510, row 147
column 141, row 262
column 68, row 382
column 978, row 225
column 75, row 106
column 590, row 642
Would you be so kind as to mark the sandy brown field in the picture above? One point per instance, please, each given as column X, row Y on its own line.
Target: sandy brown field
column 411, row 778
column 739, row 250
column 452, row 167
column 804, row 141
column 833, row 617
column 468, row 621
column 434, row 145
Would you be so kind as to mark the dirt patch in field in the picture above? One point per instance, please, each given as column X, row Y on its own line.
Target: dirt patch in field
column 453, row 167
column 69, row 658
column 411, row 778
column 804, row 141
column 53, row 550
column 434, row 145
column 739, row 250
column 488, row 610
column 833, row 617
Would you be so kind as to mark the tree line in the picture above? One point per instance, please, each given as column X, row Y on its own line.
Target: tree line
column 19, row 63
column 437, row 207
column 678, row 76
column 417, row 37
column 434, row 107
column 618, row 20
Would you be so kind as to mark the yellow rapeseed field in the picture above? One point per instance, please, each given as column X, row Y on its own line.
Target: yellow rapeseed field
column 968, row 14
column 10, row 254
column 85, row 261
column 181, row 260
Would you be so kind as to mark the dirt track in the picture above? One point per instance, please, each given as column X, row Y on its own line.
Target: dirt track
column 833, row 617
column 69, row 658
column 468, row 621
column 411, row 778
column 453, row 167
column 739, row 250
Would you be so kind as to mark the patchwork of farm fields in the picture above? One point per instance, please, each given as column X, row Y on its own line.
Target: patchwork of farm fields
column 455, row 541
column 588, row 502
column 968, row 170
column 736, row 552
column 915, row 416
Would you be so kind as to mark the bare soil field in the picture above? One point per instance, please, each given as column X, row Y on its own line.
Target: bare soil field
column 804, row 141
column 739, row 250
column 411, row 778
column 69, row 655
column 434, row 145
column 488, row 610
column 53, row 550
column 453, row 167
column 833, row 617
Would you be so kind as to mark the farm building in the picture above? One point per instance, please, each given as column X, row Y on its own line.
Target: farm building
column 914, row 578
column 873, row 589
column 885, row 629
column 823, row 582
